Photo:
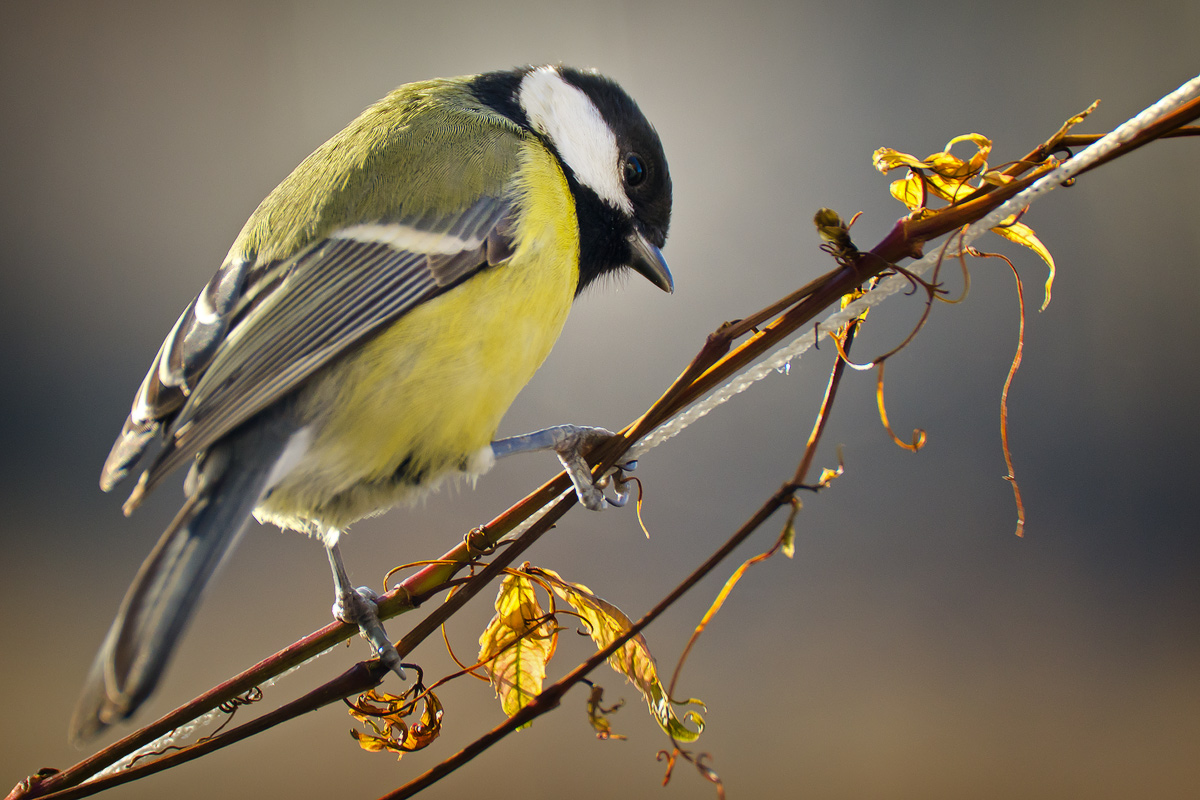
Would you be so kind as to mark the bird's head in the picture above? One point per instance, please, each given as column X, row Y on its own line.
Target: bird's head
column 614, row 163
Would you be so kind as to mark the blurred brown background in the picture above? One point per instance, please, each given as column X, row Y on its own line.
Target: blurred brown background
column 913, row 649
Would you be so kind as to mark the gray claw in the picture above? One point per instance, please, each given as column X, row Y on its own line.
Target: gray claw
column 359, row 608
column 620, row 498
column 570, row 443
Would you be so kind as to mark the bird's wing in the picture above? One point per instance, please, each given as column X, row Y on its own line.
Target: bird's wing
column 254, row 334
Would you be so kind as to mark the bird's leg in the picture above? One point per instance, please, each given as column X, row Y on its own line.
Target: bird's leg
column 358, row 607
column 570, row 443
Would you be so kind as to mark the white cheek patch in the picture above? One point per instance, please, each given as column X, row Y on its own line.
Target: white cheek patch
column 568, row 118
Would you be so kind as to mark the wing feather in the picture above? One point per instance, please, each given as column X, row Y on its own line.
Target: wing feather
column 321, row 302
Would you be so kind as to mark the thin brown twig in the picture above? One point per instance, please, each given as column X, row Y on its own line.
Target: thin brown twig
column 1084, row 139
column 1011, row 477
column 798, row 480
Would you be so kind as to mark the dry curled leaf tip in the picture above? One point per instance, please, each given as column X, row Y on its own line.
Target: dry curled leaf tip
column 598, row 714
column 385, row 716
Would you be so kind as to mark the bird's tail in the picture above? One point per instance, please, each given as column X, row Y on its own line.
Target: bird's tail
column 224, row 486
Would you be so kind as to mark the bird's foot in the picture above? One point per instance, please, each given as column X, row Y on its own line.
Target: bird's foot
column 360, row 607
column 570, row 443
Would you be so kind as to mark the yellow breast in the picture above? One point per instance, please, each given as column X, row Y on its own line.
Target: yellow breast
column 417, row 400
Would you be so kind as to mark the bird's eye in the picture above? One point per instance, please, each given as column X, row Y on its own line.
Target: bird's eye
column 635, row 169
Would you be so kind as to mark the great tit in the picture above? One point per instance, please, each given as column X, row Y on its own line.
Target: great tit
column 373, row 321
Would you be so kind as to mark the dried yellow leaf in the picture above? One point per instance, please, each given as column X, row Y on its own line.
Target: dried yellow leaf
column 945, row 175
column 605, row 624
column 949, row 189
column 910, row 191
column 949, row 166
column 385, row 713
column 516, row 644
column 949, row 177
column 1023, row 235
column 370, row 743
column 978, row 162
column 787, row 542
column 422, row 732
column 886, row 159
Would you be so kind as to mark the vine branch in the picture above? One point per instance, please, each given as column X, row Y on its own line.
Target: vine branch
column 720, row 358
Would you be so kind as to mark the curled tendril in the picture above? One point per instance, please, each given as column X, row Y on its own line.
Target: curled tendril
column 246, row 698
column 700, row 762
column 1063, row 150
column 475, row 550
column 917, row 282
column 228, row 707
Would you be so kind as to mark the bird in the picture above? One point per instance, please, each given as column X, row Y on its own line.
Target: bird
column 371, row 324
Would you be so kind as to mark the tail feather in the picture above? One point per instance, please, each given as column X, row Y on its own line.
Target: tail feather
column 223, row 489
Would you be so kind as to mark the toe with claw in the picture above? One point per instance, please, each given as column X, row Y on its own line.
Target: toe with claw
column 570, row 443
column 359, row 607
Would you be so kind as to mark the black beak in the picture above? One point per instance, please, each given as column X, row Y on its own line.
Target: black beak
column 648, row 260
